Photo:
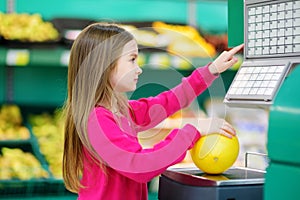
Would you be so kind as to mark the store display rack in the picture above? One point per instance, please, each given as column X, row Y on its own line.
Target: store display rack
column 35, row 186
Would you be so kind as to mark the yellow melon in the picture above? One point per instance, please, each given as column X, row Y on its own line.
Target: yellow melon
column 215, row 153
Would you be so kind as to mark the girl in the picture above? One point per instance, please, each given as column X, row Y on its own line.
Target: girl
column 102, row 156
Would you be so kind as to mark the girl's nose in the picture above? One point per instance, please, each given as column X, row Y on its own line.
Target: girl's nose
column 139, row 70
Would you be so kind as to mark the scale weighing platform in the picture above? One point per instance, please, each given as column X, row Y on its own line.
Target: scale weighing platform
column 193, row 184
column 271, row 54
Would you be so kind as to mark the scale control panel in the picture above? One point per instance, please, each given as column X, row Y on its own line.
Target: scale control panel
column 272, row 44
column 257, row 82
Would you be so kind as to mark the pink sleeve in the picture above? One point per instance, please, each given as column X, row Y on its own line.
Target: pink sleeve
column 148, row 112
column 122, row 152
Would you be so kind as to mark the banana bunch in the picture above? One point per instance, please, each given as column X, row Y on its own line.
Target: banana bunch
column 11, row 127
column 27, row 28
column 48, row 130
column 16, row 164
column 185, row 40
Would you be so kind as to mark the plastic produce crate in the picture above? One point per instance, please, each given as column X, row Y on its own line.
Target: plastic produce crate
column 15, row 186
column 35, row 187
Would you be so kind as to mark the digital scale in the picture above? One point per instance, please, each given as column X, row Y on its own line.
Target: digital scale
column 269, row 78
column 272, row 47
column 192, row 184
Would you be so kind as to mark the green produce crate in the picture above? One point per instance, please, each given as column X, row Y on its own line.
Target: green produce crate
column 47, row 125
column 33, row 187
column 21, row 187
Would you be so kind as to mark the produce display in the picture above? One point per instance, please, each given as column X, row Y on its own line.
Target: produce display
column 11, row 127
column 185, row 40
column 146, row 36
column 48, row 129
column 26, row 28
column 180, row 40
column 17, row 164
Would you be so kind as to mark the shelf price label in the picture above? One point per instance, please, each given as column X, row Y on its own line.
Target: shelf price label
column 64, row 59
column 17, row 57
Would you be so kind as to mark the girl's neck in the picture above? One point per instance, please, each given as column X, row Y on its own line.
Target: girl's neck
column 111, row 105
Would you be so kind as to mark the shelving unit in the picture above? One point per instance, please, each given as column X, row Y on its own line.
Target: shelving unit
column 35, row 78
column 49, row 66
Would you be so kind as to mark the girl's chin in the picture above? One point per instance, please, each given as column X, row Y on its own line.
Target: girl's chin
column 128, row 90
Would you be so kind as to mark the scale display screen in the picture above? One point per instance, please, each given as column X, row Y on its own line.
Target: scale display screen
column 271, row 38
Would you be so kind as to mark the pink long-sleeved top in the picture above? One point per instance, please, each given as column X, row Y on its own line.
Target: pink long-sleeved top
column 129, row 166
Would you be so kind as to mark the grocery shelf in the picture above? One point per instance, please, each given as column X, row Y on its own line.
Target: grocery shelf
column 18, row 181
column 38, row 86
column 38, row 76
column 59, row 57
column 39, row 57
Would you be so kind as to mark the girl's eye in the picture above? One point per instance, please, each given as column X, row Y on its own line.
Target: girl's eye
column 133, row 59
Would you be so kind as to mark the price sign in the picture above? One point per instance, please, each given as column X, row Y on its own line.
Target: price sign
column 17, row 57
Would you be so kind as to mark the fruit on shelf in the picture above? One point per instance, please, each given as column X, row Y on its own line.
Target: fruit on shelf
column 185, row 40
column 26, row 28
column 144, row 36
column 48, row 129
column 17, row 164
column 11, row 127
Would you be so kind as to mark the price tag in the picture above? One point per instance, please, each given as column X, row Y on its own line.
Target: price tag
column 17, row 57
column 64, row 59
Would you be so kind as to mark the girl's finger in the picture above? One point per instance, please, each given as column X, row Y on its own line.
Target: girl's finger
column 230, row 62
column 235, row 50
column 229, row 129
column 229, row 132
column 222, row 132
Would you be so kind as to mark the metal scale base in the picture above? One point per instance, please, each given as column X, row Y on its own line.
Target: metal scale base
column 192, row 184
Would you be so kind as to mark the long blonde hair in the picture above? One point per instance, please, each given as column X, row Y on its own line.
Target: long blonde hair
column 93, row 58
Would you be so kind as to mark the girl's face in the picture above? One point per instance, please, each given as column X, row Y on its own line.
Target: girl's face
column 125, row 76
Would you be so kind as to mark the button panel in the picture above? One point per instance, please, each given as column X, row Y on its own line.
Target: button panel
column 256, row 82
column 273, row 29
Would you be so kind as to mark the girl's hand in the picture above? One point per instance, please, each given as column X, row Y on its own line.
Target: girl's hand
column 225, row 60
column 216, row 125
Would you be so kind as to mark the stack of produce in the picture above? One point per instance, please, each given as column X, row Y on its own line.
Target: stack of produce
column 185, row 40
column 48, row 129
column 26, row 28
column 182, row 40
column 16, row 164
column 11, row 127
